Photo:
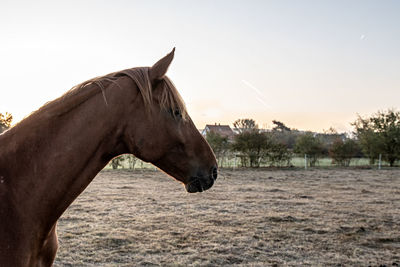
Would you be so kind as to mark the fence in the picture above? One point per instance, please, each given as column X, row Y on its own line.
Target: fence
column 299, row 161
column 233, row 161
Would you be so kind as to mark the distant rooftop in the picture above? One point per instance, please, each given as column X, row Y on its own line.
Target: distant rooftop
column 223, row 130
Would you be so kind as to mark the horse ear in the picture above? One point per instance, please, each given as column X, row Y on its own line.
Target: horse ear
column 160, row 68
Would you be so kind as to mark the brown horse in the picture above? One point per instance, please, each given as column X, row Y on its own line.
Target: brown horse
column 50, row 157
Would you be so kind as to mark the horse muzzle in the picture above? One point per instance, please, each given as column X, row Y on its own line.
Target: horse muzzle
column 201, row 183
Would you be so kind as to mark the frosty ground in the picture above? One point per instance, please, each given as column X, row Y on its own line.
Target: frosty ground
column 318, row 217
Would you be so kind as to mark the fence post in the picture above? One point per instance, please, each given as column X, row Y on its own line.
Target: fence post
column 234, row 164
column 380, row 162
column 305, row 161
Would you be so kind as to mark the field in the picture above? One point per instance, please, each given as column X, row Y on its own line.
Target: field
column 318, row 217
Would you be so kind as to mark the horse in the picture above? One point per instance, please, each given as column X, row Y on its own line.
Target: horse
column 50, row 157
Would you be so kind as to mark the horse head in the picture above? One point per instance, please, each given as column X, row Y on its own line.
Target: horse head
column 162, row 132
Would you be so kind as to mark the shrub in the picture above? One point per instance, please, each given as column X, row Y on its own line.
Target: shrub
column 279, row 155
column 311, row 146
column 219, row 144
column 5, row 121
column 380, row 134
column 253, row 145
column 343, row 151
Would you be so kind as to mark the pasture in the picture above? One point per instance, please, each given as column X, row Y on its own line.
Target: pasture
column 318, row 217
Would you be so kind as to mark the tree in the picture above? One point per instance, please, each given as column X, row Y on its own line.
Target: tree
column 380, row 134
column 284, row 135
column 253, row 145
column 342, row 151
column 279, row 155
column 219, row 144
column 330, row 136
column 368, row 139
column 243, row 125
column 280, row 126
column 5, row 121
column 311, row 146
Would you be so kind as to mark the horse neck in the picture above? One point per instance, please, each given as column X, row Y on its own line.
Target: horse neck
column 54, row 160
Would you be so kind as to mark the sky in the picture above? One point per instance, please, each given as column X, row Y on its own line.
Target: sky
column 310, row 64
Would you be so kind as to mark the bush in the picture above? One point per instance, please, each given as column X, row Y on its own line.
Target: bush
column 279, row 155
column 5, row 121
column 118, row 161
column 219, row 144
column 253, row 145
column 380, row 134
column 308, row 144
column 343, row 151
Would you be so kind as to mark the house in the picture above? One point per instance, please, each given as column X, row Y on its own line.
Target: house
column 223, row 130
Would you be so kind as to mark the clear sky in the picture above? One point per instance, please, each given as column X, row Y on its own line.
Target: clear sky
column 311, row 64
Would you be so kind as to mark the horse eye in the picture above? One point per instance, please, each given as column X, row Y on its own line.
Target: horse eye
column 175, row 113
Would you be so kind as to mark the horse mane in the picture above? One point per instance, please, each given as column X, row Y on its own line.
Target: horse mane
column 169, row 98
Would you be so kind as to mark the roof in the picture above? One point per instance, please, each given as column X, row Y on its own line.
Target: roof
column 223, row 130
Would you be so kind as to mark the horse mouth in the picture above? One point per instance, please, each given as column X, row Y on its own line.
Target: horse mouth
column 198, row 185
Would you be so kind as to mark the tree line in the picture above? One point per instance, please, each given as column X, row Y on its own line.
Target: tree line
column 374, row 136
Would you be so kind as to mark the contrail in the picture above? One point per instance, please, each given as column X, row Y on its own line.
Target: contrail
column 259, row 95
column 263, row 102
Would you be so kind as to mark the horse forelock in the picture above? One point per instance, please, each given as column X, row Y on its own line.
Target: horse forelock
column 170, row 98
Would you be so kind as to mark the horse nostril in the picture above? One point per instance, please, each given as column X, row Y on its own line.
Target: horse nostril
column 214, row 173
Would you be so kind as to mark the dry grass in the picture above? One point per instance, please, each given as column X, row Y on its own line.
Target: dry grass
column 249, row 218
